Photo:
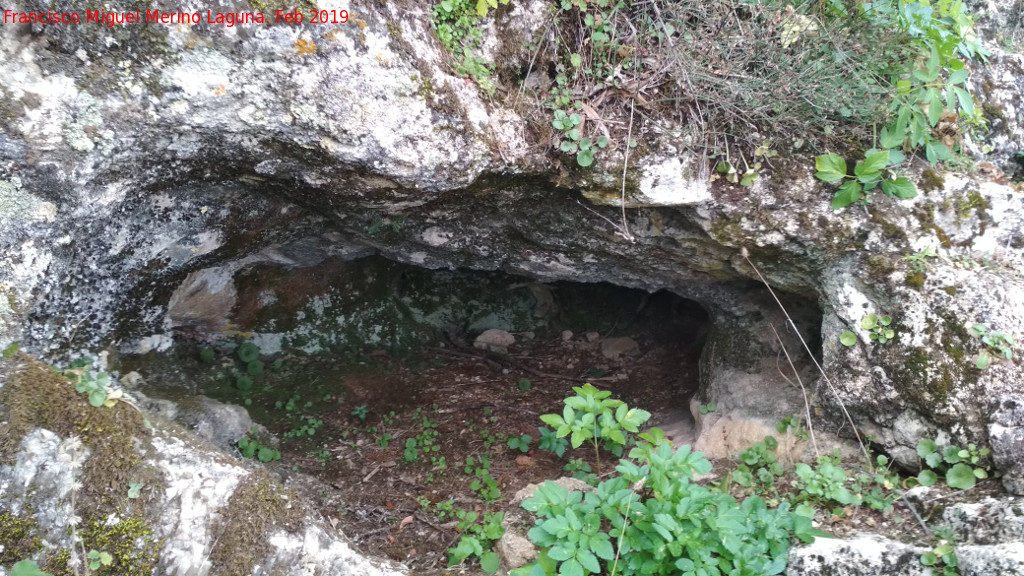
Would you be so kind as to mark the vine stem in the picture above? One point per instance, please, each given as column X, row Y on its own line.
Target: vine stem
column 625, row 522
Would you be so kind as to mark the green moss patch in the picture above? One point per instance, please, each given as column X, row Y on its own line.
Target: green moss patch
column 18, row 535
column 130, row 542
column 259, row 506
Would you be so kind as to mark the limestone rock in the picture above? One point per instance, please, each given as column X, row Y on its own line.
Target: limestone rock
column 619, row 348
column 861, row 555
column 494, row 340
column 1006, row 437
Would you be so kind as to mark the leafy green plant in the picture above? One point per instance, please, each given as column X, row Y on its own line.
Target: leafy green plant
column 551, row 442
column 254, row 368
column 411, row 452
column 11, row 350
column 825, row 483
column 384, row 440
column 248, row 352
column 95, row 385
column 847, row 338
column 708, row 408
column 243, row 383
column 252, row 448
column 523, row 384
column 792, row 425
column 919, row 259
column 457, row 26
column 307, row 427
column 758, row 467
column 998, row 345
column 206, row 355
column 521, row 443
column 477, row 539
column 878, row 326
column 592, row 416
column 578, row 468
column 27, row 568
column 360, row 412
column 942, row 558
column 661, row 522
column 962, row 467
column 867, row 174
column 97, row 559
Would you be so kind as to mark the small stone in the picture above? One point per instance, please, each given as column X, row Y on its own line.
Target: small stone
column 592, row 336
column 525, row 462
column 132, row 379
column 566, row 335
column 494, row 340
column 615, row 348
column 529, row 335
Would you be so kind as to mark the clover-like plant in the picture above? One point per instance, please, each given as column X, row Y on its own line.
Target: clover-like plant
column 998, row 345
column 248, row 352
column 961, row 466
column 878, row 326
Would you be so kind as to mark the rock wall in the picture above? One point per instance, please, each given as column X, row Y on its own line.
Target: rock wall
column 143, row 168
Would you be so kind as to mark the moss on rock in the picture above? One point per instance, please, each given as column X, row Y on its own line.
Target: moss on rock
column 258, row 506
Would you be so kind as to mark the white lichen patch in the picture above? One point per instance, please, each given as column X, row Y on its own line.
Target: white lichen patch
column 199, row 485
column 675, row 181
column 17, row 204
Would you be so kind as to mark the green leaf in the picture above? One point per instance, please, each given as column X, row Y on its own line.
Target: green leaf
column 602, row 142
column 560, row 553
column 481, row 8
column 934, row 112
column 134, row 489
column 489, row 562
column 927, row 478
column 10, row 350
column 958, row 76
column 869, row 321
column 965, row 99
column 891, row 138
column 27, row 568
column 830, row 168
column 983, row 360
column 848, row 338
column 748, row 178
column 929, row 559
column 900, row 187
column 603, row 548
column 849, row 193
column 97, row 397
column 576, row 60
column 926, row 447
column 873, row 162
column 588, row 560
column 960, row 476
column 585, row 158
column 937, row 152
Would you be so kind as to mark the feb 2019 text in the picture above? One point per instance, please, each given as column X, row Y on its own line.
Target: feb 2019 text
column 229, row 19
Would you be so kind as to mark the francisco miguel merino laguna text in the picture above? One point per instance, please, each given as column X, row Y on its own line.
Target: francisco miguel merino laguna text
column 229, row 19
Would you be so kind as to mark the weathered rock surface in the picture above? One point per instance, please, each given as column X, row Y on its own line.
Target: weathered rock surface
column 195, row 506
column 1006, row 437
column 146, row 172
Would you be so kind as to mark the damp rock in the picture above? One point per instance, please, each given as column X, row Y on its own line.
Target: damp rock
column 494, row 340
column 619, row 348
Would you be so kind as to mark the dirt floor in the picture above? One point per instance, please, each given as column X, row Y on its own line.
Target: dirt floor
column 386, row 439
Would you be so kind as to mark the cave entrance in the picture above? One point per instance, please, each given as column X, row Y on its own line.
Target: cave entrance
column 381, row 379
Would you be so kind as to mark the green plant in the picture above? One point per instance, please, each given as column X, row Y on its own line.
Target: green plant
column 942, row 558
column 650, row 518
column 307, row 427
column 243, row 383
column 96, row 559
column 579, row 469
column 95, row 385
column 456, row 24
column 134, row 489
column 825, row 483
column 919, row 259
column 360, row 412
column 521, row 443
column 998, row 345
column 248, row 352
column 254, row 368
column 551, row 442
column 483, row 483
column 411, row 453
column 206, row 355
column 523, row 384
column 867, row 174
column 792, row 424
column 27, row 568
column 847, row 338
column 878, row 326
column 384, row 440
column 592, row 416
column 962, row 466
column 477, row 539
column 10, row 351
column 759, row 467
column 708, row 408
column 252, row 448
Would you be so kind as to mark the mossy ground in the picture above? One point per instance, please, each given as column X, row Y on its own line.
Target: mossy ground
column 259, row 506
column 39, row 396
